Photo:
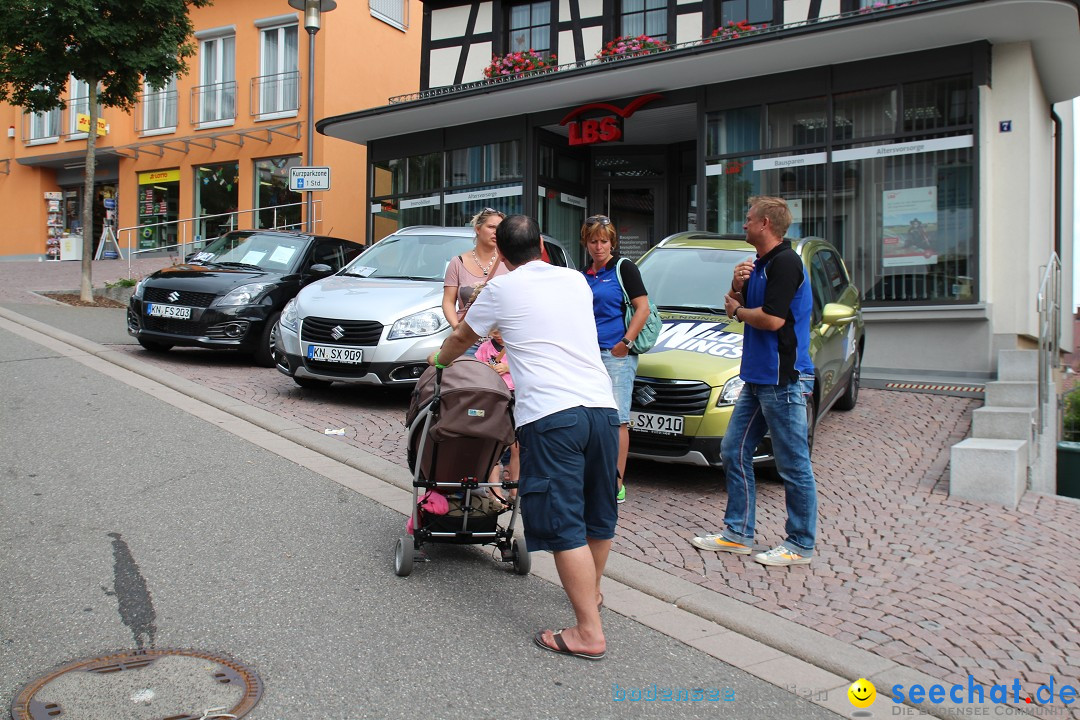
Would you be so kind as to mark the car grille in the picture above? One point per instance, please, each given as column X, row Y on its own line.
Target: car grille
column 172, row 326
column 672, row 397
column 191, row 299
column 353, row 332
column 659, row 445
column 340, row 370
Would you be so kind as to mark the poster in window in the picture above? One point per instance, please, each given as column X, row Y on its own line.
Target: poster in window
column 909, row 224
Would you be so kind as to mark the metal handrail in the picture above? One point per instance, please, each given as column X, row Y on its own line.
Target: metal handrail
column 1049, row 306
column 222, row 102
column 182, row 224
column 286, row 84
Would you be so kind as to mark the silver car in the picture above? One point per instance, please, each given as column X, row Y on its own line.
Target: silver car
column 377, row 320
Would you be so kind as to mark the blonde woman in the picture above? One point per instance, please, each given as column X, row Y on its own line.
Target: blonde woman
column 603, row 272
column 468, row 273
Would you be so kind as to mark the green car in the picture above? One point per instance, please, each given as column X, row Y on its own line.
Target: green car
column 686, row 386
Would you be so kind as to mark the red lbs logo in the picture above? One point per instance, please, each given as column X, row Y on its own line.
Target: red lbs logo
column 608, row 128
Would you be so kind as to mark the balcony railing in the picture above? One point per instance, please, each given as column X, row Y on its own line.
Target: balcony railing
column 38, row 127
column 275, row 94
column 156, row 111
column 213, row 103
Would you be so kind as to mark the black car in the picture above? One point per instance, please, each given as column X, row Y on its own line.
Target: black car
column 229, row 295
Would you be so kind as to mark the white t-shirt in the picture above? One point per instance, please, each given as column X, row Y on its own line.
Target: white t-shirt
column 544, row 313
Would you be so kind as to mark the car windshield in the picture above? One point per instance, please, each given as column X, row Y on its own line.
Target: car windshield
column 412, row 257
column 276, row 253
column 690, row 278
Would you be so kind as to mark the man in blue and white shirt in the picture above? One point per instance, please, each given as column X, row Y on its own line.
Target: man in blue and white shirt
column 771, row 297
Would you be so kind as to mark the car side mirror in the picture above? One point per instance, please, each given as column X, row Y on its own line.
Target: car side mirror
column 320, row 269
column 837, row 314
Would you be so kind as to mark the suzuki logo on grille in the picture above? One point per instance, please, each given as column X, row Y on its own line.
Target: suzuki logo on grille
column 644, row 395
column 338, row 332
column 173, row 296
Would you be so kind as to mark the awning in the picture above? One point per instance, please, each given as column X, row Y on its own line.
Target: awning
column 105, row 156
column 1051, row 26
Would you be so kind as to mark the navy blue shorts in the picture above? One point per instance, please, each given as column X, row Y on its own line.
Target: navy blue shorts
column 567, row 485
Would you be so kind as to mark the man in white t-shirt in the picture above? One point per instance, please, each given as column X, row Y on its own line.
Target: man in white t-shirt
column 567, row 424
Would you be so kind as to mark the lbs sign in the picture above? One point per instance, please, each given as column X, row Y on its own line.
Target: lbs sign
column 602, row 128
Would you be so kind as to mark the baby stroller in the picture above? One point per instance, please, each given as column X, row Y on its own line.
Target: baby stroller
column 460, row 420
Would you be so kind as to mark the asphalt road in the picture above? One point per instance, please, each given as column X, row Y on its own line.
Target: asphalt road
column 126, row 522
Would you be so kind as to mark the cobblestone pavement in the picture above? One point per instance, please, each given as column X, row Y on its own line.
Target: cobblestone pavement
column 21, row 280
column 947, row 587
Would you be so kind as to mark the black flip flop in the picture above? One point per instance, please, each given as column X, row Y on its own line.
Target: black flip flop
column 562, row 648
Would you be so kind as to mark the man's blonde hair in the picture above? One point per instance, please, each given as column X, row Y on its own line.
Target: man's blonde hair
column 775, row 209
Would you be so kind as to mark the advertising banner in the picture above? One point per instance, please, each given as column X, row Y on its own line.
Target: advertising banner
column 909, row 224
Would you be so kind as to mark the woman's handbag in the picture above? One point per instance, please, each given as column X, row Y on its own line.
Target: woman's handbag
column 647, row 337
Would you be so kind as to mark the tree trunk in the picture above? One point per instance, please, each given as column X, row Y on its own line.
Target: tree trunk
column 86, row 288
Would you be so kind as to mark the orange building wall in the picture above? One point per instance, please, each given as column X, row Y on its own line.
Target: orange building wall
column 360, row 62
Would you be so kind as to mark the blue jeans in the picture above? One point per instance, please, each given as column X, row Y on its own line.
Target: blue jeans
column 621, row 370
column 780, row 410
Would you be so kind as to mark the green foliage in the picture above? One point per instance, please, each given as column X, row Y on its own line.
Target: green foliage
column 117, row 43
column 122, row 283
column 1072, row 416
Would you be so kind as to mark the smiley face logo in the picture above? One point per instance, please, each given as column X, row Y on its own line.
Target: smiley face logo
column 862, row 693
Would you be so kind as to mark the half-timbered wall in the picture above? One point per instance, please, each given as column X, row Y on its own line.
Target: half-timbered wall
column 460, row 39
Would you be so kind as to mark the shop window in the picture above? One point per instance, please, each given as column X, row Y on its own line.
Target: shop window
column 217, row 190
column 215, row 97
column 277, row 87
column 803, row 122
column 486, row 163
column 158, row 208
column 756, row 12
column 938, row 104
column 529, row 27
column 867, row 113
column 913, row 225
column 733, row 131
column 424, row 173
column 159, row 106
column 278, row 207
column 644, row 17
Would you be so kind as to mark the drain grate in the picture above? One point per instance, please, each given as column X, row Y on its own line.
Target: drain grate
column 926, row 387
column 169, row 684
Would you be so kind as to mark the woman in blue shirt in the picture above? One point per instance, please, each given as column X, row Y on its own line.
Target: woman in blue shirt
column 601, row 241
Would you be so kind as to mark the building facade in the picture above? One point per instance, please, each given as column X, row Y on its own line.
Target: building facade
column 930, row 141
column 211, row 150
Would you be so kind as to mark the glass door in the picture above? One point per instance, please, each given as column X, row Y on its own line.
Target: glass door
column 636, row 208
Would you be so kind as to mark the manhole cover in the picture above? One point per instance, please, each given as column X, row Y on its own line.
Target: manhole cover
column 142, row 685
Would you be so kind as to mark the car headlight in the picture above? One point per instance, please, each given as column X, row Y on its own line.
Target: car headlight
column 289, row 317
column 137, row 294
column 418, row 324
column 244, row 295
column 730, row 392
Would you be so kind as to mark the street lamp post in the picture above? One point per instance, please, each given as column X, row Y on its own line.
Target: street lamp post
column 313, row 10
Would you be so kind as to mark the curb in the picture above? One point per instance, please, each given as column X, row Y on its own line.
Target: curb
column 810, row 646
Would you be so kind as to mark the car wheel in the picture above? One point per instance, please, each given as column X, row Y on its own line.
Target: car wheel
column 312, row 383
column 264, row 351
column 851, row 394
column 155, row 347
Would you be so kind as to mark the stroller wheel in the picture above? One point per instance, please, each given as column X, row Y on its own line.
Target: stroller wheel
column 403, row 556
column 522, row 559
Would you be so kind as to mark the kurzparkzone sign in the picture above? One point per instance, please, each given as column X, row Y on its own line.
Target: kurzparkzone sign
column 309, row 178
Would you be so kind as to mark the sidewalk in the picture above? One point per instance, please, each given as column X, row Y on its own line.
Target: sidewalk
column 22, row 280
column 909, row 586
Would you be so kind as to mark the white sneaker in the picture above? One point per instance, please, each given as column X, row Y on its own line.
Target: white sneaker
column 780, row 555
